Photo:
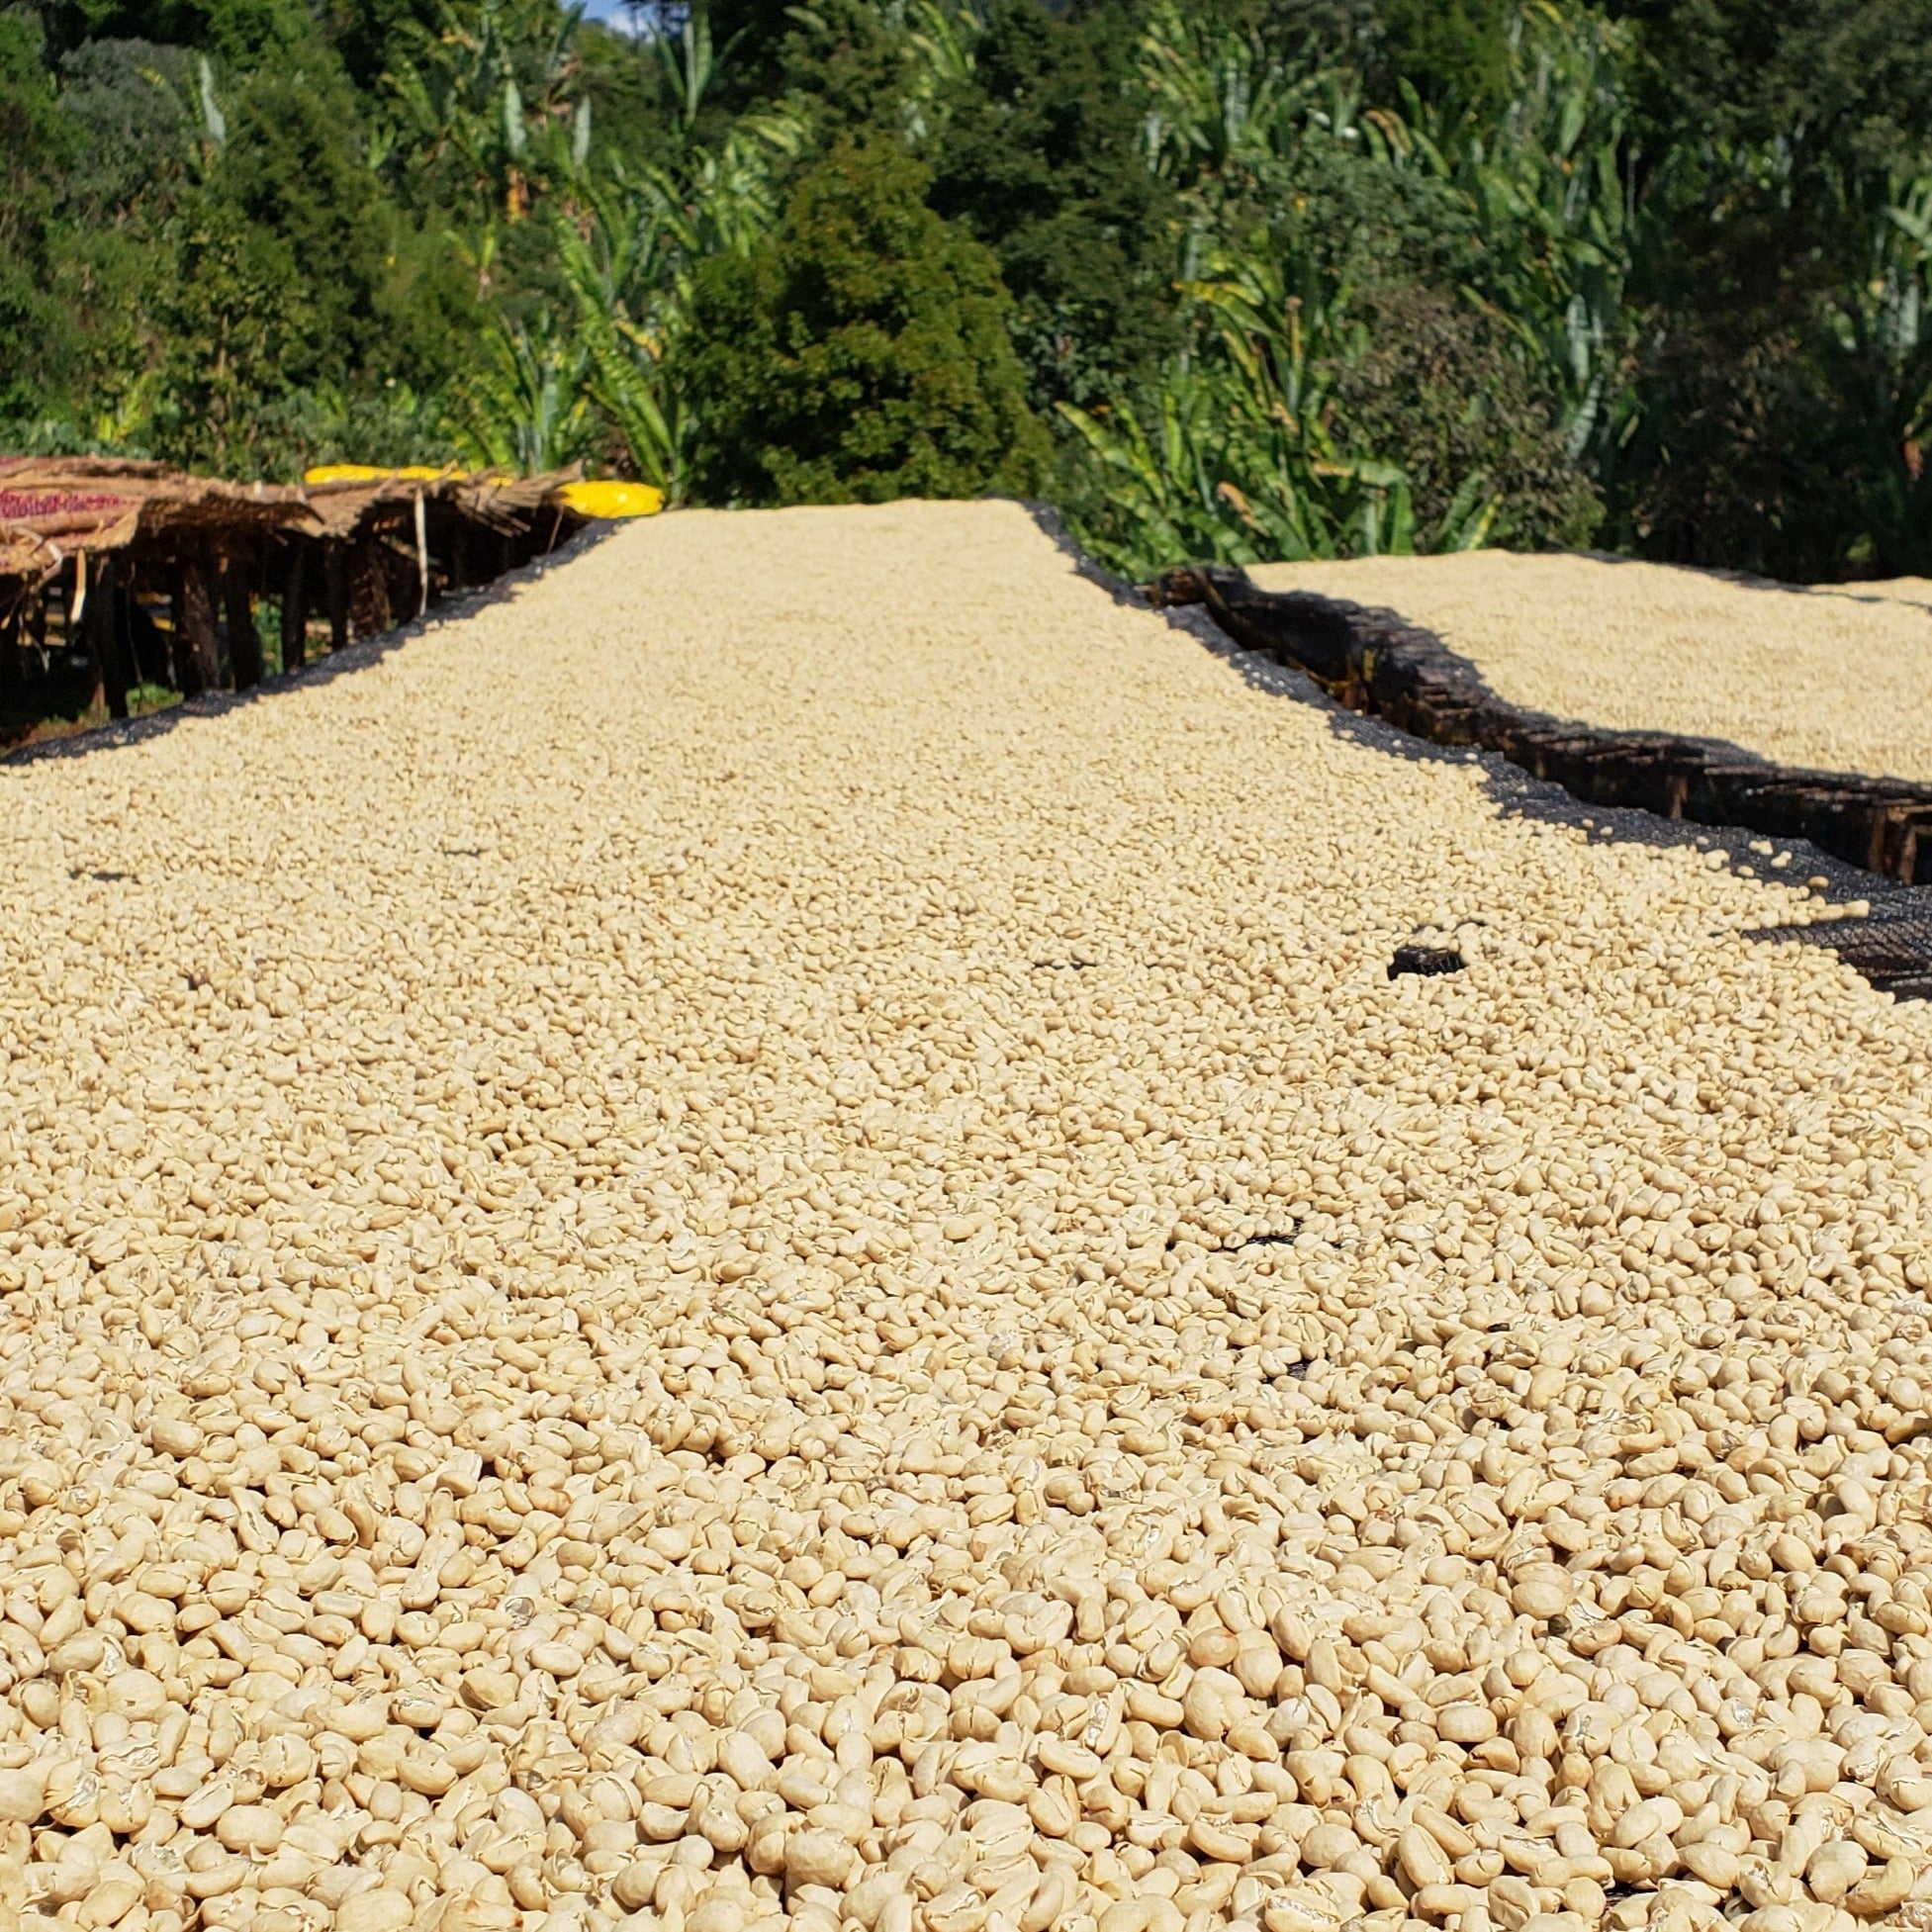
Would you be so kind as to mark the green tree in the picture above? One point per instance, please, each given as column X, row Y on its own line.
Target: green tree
column 636, row 114
column 858, row 354
column 1850, row 79
column 848, row 66
column 132, row 106
column 1455, row 53
column 35, row 146
column 1395, row 340
column 1778, row 404
column 1039, row 154
column 295, row 279
column 236, row 32
column 1440, row 384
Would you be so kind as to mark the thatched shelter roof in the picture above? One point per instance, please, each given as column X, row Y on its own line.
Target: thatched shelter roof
column 346, row 502
column 54, row 507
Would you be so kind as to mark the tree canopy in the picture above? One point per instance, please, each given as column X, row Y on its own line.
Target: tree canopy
column 857, row 353
column 1234, row 279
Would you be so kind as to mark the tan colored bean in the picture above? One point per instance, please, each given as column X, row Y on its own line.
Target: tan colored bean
column 1832, row 683
column 807, row 1267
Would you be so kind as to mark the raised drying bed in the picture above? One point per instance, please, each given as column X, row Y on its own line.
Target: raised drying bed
column 1823, row 678
column 1376, row 663
column 91, row 547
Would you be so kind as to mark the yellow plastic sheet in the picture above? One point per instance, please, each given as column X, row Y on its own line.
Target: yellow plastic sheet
column 375, row 473
column 612, row 498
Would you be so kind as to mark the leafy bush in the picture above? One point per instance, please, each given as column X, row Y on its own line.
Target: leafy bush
column 1038, row 153
column 859, row 353
column 1282, row 275
column 34, row 144
column 1441, row 386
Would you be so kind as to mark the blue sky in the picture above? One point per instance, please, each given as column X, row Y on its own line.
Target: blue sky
column 608, row 10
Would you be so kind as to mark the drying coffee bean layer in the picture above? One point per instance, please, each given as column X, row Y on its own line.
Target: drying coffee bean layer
column 1835, row 679
column 758, row 1239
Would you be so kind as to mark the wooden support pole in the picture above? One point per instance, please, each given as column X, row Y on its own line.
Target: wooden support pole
column 149, row 658
column 13, row 669
column 295, row 609
column 336, row 566
column 102, row 622
column 421, row 557
column 197, row 647
column 369, row 609
column 116, row 583
column 244, row 641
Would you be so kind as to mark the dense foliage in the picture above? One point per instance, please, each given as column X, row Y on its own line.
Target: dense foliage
column 859, row 353
column 1235, row 278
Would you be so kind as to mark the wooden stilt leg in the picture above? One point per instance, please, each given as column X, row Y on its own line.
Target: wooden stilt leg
column 244, row 641
column 13, row 673
column 103, row 626
column 369, row 608
column 337, row 567
column 295, row 610
column 196, row 648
